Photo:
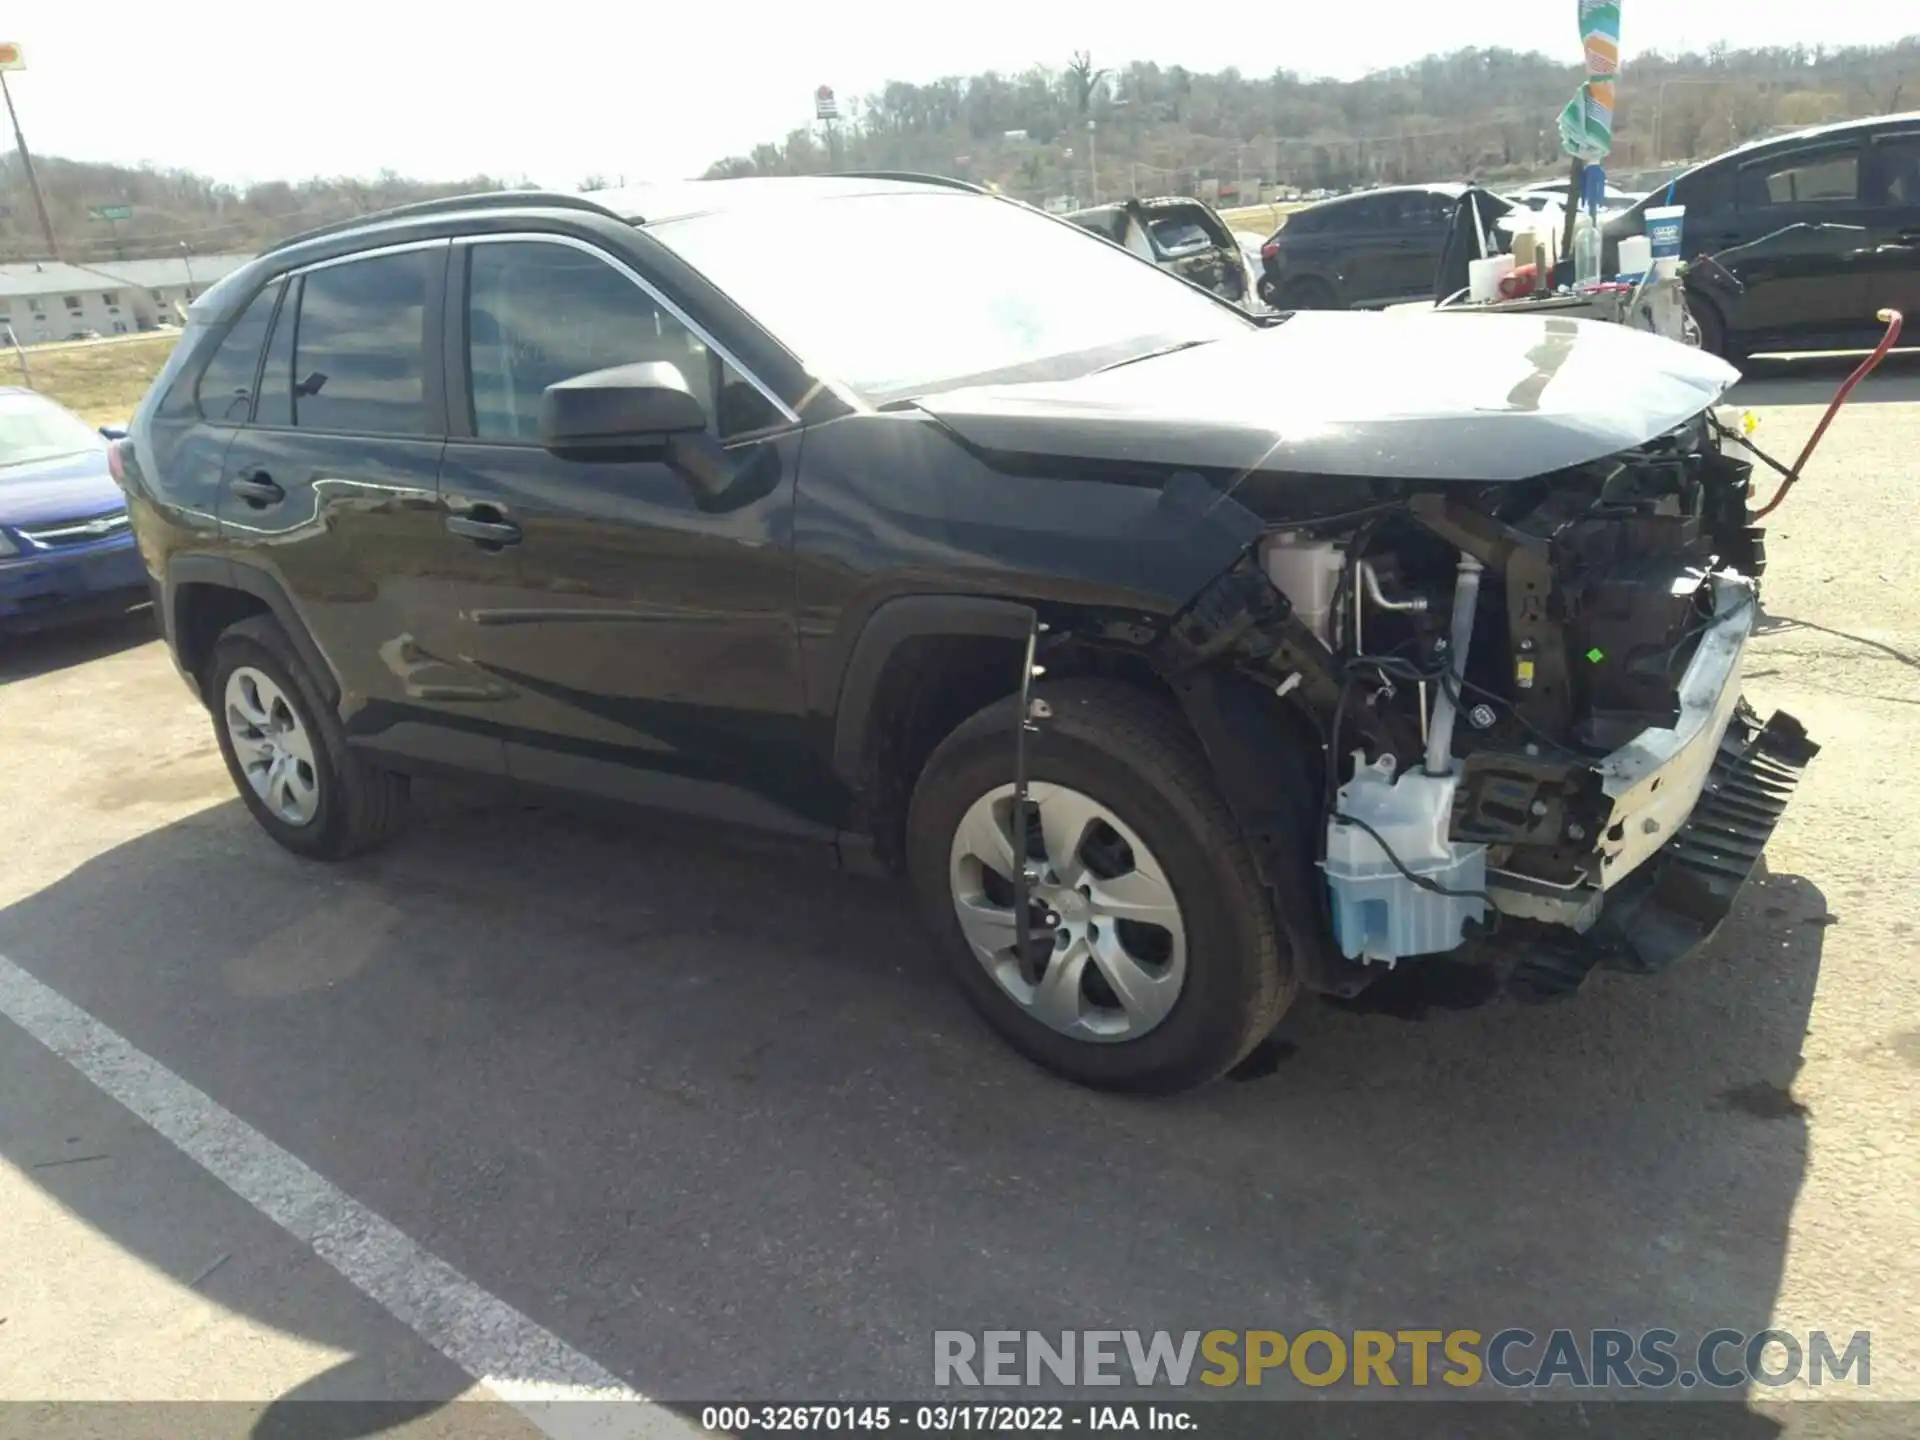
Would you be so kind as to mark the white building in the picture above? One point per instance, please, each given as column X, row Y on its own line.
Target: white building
column 162, row 289
column 49, row 300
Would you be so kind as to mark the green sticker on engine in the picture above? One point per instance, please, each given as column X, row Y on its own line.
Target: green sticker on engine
column 1596, row 655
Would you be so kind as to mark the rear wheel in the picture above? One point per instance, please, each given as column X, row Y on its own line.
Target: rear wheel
column 1308, row 294
column 1153, row 962
column 287, row 752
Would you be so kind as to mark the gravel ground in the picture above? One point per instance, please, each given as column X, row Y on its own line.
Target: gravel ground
column 708, row 1115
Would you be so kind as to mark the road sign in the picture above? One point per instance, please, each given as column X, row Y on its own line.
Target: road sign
column 825, row 107
column 110, row 212
column 11, row 56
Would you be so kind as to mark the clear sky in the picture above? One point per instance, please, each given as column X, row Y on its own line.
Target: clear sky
column 559, row 89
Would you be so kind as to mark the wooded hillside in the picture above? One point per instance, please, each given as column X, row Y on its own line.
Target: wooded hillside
column 175, row 207
column 1487, row 114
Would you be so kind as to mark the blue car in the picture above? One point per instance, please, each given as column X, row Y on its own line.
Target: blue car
column 66, row 550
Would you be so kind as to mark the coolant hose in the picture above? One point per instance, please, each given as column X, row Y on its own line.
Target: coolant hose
column 1446, row 707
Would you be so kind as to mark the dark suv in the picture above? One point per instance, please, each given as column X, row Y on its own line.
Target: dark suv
column 1854, row 191
column 1352, row 652
column 1372, row 248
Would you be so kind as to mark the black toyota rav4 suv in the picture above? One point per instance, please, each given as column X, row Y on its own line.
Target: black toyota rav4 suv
column 1181, row 659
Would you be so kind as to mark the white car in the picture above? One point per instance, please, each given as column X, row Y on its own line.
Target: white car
column 1555, row 193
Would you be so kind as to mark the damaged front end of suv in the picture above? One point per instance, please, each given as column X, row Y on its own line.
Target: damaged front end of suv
column 1510, row 627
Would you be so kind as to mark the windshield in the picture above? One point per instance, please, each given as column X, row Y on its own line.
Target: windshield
column 35, row 429
column 906, row 293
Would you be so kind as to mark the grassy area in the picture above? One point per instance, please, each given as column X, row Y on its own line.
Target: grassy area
column 1259, row 219
column 100, row 381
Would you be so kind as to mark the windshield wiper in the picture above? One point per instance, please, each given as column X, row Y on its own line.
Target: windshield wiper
column 1153, row 354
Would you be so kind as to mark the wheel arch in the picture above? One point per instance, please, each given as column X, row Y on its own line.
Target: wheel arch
column 207, row 593
column 921, row 665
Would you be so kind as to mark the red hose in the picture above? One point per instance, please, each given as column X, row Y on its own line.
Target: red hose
column 1893, row 320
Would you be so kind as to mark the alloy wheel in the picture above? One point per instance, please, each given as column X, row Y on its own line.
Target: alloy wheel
column 1107, row 951
column 271, row 746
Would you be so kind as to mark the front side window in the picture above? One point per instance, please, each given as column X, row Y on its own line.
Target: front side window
column 360, row 345
column 844, row 282
column 539, row 313
column 225, row 392
column 1704, row 192
column 1803, row 178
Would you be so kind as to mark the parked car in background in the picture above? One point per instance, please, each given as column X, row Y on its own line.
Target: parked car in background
column 66, row 550
column 1538, row 201
column 1180, row 234
column 1811, row 288
column 1371, row 249
column 1555, row 193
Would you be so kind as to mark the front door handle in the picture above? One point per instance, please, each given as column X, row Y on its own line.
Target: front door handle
column 485, row 526
column 257, row 488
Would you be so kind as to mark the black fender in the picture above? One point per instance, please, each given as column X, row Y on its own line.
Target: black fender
column 227, row 574
column 889, row 627
column 1270, row 769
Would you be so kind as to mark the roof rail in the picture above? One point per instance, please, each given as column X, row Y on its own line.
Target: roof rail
column 914, row 177
column 484, row 200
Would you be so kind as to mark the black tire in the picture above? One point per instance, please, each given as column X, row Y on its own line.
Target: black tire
column 360, row 806
column 1712, row 326
column 1308, row 294
column 1132, row 752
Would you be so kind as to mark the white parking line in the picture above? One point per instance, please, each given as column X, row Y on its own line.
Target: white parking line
column 523, row 1363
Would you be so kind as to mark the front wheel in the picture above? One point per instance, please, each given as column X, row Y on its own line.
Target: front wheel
column 1711, row 326
column 1153, row 962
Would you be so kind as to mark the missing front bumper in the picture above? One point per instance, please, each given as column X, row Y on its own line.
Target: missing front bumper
column 1674, row 902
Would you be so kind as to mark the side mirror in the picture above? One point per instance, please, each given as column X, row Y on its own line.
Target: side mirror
column 113, row 432
column 637, row 412
column 627, row 409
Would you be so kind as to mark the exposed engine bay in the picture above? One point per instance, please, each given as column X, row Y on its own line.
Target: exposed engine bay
column 1528, row 695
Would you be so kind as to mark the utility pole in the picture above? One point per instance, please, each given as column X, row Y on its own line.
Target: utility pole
column 1093, row 163
column 26, row 159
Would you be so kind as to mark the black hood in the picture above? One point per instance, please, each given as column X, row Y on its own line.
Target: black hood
column 1415, row 397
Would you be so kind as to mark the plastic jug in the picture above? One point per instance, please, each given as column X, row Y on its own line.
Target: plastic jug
column 1636, row 256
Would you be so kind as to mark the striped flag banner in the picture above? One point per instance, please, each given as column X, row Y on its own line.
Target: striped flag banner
column 1586, row 125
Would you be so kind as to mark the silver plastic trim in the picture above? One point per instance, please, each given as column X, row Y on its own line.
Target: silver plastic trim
column 99, row 527
column 444, row 242
column 1655, row 779
column 574, row 243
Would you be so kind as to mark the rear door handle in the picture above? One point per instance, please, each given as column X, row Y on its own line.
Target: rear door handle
column 485, row 526
column 257, row 488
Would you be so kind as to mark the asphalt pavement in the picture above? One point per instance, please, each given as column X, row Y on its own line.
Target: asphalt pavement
column 705, row 1116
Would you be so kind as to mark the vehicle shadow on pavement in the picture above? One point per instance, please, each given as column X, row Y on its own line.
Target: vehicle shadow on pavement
column 713, row 1118
column 1812, row 379
column 40, row 652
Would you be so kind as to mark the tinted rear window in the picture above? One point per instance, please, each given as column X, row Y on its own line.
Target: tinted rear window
column 359, row 351
column 225, row 392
